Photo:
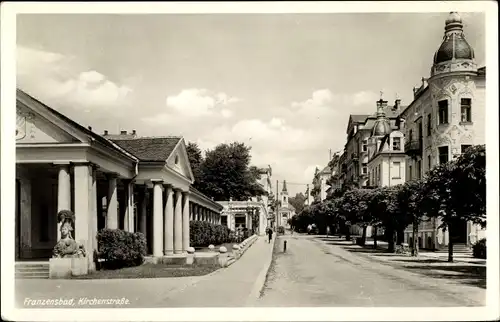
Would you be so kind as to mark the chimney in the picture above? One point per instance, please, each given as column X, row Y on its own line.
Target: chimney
column 90, row 128
column 105, row 132
column 133, row 132
column 123, row 132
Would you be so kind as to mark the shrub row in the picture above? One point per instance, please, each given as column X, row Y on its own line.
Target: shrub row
column 202, row 234
column 479, row 249
column 121, row 248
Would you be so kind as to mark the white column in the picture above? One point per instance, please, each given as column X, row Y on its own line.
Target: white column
column 63, row 192
column 143, row 212
column 112, row 205
column 169, row 222
column 185, row 223
column 82, row 205
column 129, row 210
column 93, row 208
column 191, row 211
column 157, row 218
column 25, row 213
column 178, row 222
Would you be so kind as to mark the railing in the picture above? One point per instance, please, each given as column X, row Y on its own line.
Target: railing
column 413, row 147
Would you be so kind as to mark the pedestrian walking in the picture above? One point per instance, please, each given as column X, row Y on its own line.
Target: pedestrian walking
column 327, row 231
column 270, row 235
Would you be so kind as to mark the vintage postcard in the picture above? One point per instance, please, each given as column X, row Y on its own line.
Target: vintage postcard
column 226, row 161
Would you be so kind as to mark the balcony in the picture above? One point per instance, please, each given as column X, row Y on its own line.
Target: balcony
column 413, row 148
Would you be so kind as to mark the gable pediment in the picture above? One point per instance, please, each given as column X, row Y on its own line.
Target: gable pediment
column 178, row 161
column 36, row 124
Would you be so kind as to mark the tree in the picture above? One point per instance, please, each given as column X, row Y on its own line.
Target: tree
column 385, row 208
column 195, row 160
column 225, row 173
column 298, row 202
column 410, row 197
column 457, row 192
column 439, row 200
column 469, row 185
column 355, row 206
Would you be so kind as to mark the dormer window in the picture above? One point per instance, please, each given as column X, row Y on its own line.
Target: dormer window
column 396, row 144
column 176, row 161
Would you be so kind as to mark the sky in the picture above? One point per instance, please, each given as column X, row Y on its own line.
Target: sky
column 284, row 84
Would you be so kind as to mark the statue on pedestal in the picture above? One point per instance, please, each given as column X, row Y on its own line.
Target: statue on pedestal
column 67, row 247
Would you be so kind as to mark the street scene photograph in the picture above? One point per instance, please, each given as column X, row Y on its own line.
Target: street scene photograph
column 251, row 160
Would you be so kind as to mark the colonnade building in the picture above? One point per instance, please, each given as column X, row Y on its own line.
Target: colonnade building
column 135, row 184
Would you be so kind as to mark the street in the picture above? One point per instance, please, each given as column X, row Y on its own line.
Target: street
column 314, row 273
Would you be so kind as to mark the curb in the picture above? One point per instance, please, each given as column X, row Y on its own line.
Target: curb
column 261, row 278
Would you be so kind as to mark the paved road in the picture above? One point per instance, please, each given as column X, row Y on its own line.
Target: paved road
column 312, row 273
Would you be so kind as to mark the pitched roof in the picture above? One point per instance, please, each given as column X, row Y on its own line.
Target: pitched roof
column 150, row 148
column 97, row 137
column 358, row 118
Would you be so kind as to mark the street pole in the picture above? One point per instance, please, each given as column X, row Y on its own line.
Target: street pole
column 277, row 207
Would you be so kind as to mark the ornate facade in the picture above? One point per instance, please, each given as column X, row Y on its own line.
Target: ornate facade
column 446, row 116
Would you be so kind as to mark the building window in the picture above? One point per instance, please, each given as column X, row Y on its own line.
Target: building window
column 443, row 111
column 419, row 169
column 443, row 154
column 397, row 170
column 465, row 110
column 464, row 147
column 223, row 220
column 396, row 144
column 378, row 175
column 364, row 146
column 409, row 172
column 429, row 162
column 365, row 168
column 410, row 136
column 429, row 124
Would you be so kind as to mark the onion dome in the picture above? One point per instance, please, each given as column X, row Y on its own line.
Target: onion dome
column 454, row 45
column 382, row 126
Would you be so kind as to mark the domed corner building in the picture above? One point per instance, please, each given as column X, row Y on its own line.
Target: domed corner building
column 446, row 116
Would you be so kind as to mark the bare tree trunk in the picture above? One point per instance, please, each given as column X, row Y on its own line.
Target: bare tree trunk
column 375, row 237
column 414, row 246
column 363, row 237
column 390, row 240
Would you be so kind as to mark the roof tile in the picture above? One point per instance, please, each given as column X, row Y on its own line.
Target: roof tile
column 149, row 148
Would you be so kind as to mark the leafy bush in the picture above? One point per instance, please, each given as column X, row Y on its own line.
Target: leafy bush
column 281, row 230
column 202, row 234
column 121, row 248
column 479, row 249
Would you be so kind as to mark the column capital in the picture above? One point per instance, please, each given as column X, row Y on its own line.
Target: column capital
column 156, row 181
column 61, row 163
column 111, row 175
column 186, row 193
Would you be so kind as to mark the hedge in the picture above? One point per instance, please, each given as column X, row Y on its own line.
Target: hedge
column 202, row 234
column 121, row 248
column 479, row 249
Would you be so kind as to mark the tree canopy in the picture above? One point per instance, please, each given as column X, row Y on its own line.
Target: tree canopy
column 225, row 172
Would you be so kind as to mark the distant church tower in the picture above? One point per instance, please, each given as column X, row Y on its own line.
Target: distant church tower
column 453, row 92
column 284, row 195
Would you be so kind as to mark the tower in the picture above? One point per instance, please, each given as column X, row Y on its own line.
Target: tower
column 453, row 94
column 284, row 195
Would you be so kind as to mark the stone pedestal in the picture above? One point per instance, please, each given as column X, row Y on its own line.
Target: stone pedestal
column 67, row 267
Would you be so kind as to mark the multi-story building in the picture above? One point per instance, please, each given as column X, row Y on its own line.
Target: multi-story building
column 386, row 156
column 446, row 117
column 355, row 157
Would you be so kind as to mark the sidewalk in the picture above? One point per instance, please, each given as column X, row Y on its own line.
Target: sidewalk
column 228, row 287
column 225, row 287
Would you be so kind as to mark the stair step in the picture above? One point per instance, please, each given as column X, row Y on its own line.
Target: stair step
column 32, row 270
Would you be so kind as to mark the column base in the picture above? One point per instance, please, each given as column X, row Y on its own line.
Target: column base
column 177, row 259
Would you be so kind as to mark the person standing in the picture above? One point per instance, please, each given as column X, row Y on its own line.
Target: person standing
column 327, row 231
column 270, row 235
